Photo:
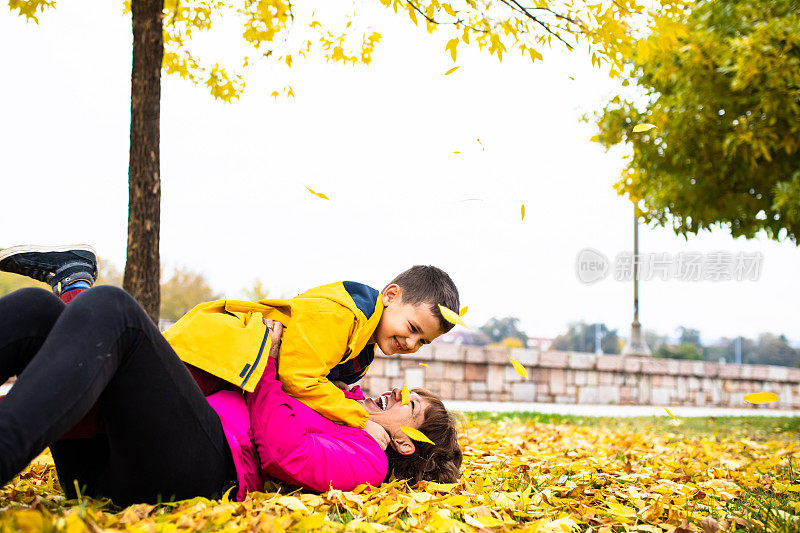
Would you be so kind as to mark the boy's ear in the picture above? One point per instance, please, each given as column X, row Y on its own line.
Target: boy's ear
column 391, row 293
column 402, row 443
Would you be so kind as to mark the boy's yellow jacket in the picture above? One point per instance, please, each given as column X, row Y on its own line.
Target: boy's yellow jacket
column 323, row 327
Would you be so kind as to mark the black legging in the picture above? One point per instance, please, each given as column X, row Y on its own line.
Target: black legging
column 162, row 439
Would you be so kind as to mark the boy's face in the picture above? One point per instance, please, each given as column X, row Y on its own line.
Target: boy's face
column 403, row 328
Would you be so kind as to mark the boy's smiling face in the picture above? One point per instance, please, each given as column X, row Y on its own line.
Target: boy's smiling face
column 403, row 328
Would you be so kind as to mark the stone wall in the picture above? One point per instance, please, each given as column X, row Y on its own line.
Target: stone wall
column 485, row 374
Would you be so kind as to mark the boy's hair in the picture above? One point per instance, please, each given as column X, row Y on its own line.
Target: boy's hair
column 426, row 284
column 441, row 461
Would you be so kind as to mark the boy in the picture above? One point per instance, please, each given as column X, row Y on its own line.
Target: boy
column 330, row 332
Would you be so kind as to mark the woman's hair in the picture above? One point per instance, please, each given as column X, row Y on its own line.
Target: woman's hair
column 441, row 461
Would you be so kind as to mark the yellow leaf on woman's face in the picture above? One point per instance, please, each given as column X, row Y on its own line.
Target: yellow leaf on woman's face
column 415, row 434
column 463, row 311
column 451, row 316
column 761, row 397
column 426, row 365
column 315, row 193
column 522, row 211
column 405, row 395
column 671, row 415
column 451, row 70
column 519, row 368
column 643, row 127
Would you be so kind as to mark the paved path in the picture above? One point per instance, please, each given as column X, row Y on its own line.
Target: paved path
column 614, row 410
column 598, row 410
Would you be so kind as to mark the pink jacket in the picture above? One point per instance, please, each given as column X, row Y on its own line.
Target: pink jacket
column 274, row 435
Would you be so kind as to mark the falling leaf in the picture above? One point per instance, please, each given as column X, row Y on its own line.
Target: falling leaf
column 463, row 311
column 522, row 211
column 415, row 434
column 315, row 193
column 426, row 365
column 451, row 316
column 275, row 94
column 405, row 395
column 483, row 148
column 761, row 397
column 570, row 77
column 518, row 367
column 671, row 415
column 471, row 200
column 643, row 127
column 456, row 152
column 451, row 70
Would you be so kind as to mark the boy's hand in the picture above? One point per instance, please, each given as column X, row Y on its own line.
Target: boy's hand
column 377, row 432
column 275, row 333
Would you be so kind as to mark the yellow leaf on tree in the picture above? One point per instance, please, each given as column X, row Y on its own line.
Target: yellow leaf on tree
column 415, row 434
column 643, row 127
column 761, row 397
column 315, row 193
column 451, row 45
column 463, row 311
column 451, row 316
column 518, row 367
column 405, row 395
column 451, row 70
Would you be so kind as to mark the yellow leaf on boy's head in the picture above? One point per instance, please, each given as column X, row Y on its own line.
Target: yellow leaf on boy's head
column 415, row 434
column 451, row 70
column 761, row 397
column 451, row 316
column 522, row 211
column 643, row 127
column 518, row 367
column 463, row 311
column 426, row 365
column 405, row 395
column 315, row 193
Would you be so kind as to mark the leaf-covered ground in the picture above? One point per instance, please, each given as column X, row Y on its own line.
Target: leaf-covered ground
column 521, row 472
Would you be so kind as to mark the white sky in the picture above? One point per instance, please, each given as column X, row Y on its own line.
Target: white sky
column 379, row 141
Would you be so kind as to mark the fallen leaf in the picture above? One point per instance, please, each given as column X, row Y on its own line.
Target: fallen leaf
column 710, row 525
column 685, row 527
column 761, row 397
column 643, row 127
column 518, row 367
column 415, row 434
column 451, row 316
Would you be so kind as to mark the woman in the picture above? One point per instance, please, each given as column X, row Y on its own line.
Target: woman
column 162, row 439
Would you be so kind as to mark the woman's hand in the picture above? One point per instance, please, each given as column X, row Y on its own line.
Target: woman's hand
column 377, row 432
column 275, row 333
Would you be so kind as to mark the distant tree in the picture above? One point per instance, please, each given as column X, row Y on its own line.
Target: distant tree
column 684, row 350
column 654, row 340
column 182, row 291
column 256, row 291
column 580, row 337
column 689, row 336
column 773, row 350
column 498, row 329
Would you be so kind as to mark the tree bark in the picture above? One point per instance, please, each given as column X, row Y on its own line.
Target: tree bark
column 142, row 266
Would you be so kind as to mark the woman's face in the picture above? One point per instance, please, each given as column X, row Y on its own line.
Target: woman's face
column 388, row 410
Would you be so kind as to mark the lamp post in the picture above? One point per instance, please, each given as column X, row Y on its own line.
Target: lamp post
column 636, row 345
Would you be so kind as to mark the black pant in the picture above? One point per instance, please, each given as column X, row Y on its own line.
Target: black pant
column 162, row 439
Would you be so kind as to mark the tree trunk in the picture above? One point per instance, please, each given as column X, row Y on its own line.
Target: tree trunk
column 142, row 266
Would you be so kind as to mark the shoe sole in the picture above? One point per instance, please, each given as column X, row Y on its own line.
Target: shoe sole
column 26, row 248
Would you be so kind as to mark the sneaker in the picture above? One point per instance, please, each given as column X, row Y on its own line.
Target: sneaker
column 59, row 266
